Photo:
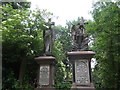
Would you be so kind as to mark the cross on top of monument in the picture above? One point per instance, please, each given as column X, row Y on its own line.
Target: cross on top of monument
column 82, row 22
column 50, row 23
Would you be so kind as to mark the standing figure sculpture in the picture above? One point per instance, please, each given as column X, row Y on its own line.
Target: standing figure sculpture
column 48, row 39
column 80, row 38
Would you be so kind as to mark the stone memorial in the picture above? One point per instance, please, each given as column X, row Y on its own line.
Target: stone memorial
column 46, row 72
column 45, row 80
column 81, row 62
column 80, row 58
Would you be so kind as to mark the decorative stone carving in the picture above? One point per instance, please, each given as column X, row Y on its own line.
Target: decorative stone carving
column 48, row 38
column 82, row 71
column 44, row 75
column 80, row 38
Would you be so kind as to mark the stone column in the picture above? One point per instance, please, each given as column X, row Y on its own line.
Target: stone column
column 81, row 61
column 46, row 72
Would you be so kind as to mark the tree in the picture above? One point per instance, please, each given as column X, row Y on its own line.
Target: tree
column 15, row 5
column 105, row 32
column 22, row 41
column 64, row 36
column 18, row 5
column 60, row 67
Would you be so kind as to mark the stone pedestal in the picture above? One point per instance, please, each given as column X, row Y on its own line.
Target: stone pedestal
column 46, row 72
column 81, row 62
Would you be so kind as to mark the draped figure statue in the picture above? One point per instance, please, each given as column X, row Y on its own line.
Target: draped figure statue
column 48, row 39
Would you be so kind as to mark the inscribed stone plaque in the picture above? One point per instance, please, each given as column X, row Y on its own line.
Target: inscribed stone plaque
column 82, row 72
column 44, row 75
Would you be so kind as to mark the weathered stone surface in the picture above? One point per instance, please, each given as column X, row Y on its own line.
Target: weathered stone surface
column 48, row 39
column 45, row 59
column 44, row 75
column 81, row 62
column 80, row 55
column 82, row 72
column 45, row 79
column 85, row 88
column 80, row 38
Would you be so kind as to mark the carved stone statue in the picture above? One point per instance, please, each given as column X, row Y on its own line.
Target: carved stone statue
column 48, row 39
column 80, row 38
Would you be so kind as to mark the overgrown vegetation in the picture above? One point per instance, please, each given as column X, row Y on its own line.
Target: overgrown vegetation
column 105, row 33
column 22, row 32
column 22, row 42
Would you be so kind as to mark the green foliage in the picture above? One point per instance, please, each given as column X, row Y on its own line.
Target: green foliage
column 22, row 40
column 18, row 5
column 63, row 85
column 20, row 34
column 60, row 73
column 64, row 36
column 62, row 46
column 105, row 32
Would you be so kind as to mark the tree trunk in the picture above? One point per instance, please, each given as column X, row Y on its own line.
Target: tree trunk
column 22, row 70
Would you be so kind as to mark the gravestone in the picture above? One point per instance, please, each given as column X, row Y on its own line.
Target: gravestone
column 81, row 62
column 46, row 72
column 80, row 58
column 45, row 80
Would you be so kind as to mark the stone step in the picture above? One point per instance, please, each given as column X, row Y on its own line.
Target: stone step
column 83, row 88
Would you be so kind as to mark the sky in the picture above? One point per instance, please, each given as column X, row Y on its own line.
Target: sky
column 65, row 9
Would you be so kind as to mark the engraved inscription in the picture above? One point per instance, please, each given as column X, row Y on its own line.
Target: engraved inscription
column 82, row 72
column 44, row 75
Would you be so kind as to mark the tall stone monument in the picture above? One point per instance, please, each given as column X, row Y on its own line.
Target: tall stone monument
column 80, row 58
column 45, row 80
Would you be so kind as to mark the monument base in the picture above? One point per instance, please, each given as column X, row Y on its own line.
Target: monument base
column 45, row 78
column 49, row 88
column 81, row 63
column 76, row 87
